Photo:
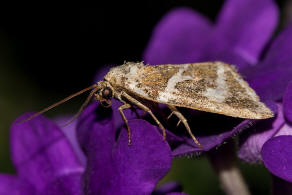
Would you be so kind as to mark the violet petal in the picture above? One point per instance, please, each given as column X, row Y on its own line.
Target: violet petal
column 147, row 160
column 219, row 49
column 287, row 103
column 277, row 156
column 129, row 113
column 70, row 133
column 270, row 78
column 286, row 129
column 113, row 166
column 251, row 142
column 247, row 26
column 167, row 188
column 95, row 116
column 98, row 120
column 209, row 142
column 42, row 154
column 66, row 184
column 178, row 38
column 12, row 185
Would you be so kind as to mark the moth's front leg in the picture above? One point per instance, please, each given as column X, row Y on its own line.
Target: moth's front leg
column 184, row 121
column 121, row 108
column 145, row 108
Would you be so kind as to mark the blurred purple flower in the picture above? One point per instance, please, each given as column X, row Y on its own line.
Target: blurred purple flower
column 270, row 142
column 270, row 79
column 70, row 133
column 238, row 36
column 46, row 162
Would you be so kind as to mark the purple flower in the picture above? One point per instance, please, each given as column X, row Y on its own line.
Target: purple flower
column 271, row 141
column 271, row 137
column 238, row 37
column 277, row 156
column 46, row 162
column 120, row 168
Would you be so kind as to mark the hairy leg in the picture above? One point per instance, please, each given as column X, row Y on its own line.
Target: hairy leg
column 121, row 108
column 184, row 121
column 145, row 108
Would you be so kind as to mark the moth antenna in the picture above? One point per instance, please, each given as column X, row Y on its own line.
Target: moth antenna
column 58, row 103
column 82, row 107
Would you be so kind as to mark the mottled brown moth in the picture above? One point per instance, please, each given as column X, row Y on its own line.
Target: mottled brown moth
column 208, row 86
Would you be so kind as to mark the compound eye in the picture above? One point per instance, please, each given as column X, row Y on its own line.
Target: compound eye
column 107, row 93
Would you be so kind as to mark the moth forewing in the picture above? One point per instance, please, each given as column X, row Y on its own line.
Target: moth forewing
column 210, row 86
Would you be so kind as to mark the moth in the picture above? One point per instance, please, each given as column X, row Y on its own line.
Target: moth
column 214, row 87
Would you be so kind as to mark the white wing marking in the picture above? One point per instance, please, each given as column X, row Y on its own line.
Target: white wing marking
column 219, row 93
column 132, row 82
column 170, row 89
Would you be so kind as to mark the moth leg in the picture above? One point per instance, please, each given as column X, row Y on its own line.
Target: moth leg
column 145, row 108
column 121, row 108
column 184, row 121
column 169, row 115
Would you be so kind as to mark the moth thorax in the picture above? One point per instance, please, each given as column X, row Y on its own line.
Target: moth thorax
column 119, row 74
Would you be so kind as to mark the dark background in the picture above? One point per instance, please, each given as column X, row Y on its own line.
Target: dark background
column 49, row 52
column 61, row 49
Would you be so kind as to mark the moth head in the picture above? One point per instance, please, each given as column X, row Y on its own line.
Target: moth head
column 104, row 93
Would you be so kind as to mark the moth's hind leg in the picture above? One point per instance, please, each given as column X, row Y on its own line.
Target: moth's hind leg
column 145, row 108
column 121, row 108
column 184, row 121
